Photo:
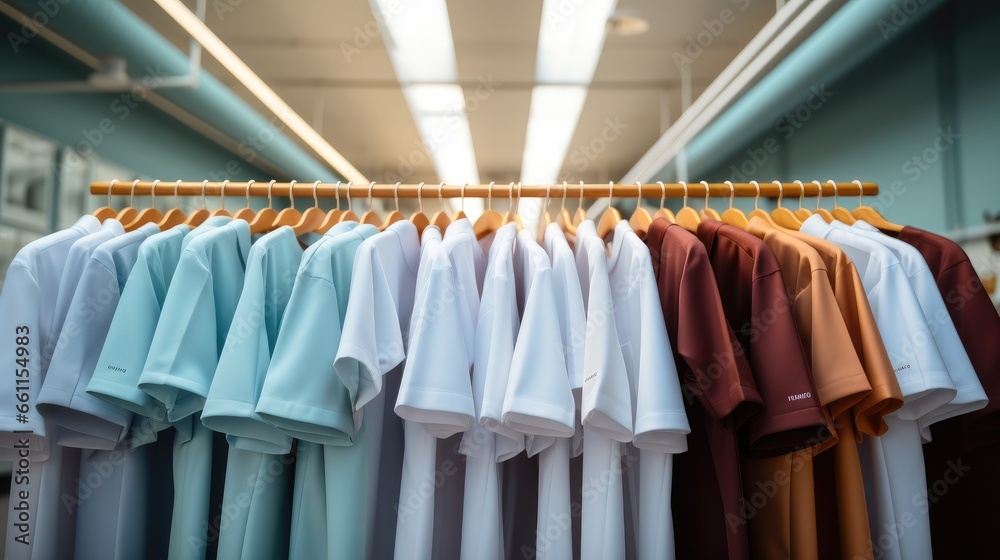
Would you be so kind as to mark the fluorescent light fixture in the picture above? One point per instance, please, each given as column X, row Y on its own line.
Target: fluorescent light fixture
column 218, row 49
column 418, row 37
column 551, row 122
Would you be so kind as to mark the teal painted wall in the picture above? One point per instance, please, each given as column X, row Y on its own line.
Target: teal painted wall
column 921, row 118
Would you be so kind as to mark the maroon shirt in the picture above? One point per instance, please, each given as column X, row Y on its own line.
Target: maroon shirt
column 719, row 394
column 965, row 451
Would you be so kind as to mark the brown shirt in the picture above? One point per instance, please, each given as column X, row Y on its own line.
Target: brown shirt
column 719, row 393
column 964, row 451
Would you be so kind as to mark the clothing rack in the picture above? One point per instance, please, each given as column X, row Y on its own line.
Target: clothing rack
column 494, row 190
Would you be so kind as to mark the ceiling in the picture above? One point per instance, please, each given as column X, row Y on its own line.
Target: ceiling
column 329, row 62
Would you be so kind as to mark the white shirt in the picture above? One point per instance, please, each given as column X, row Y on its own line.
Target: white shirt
column 606, row 408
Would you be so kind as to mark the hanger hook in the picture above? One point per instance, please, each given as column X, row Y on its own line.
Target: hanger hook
column 350, row 205
column 781, row 191
column 152, row 193
column 420, row 196
column 802, row 192
column 562, row 205
column 371, row 206
column 489, row 196
column 732, row 193
column 517, row 208
column 463, row 197
column 638, row 195
column 395, row 195
column 836, row 193
column 581, row 195
column 338, row 196
column 203, row 204
column 131, row 197
column 819, row 197
column 707, row 191
column 291, row 192
column 611, row 191
column 177, row 200
column 548, row 192
column 222, row 194
column 269, row 200
column 315, row 196
column 756, row 199
column 111, row 187
column 685, row 185
column 663, row 194
column 441, row 195
column 510, row 197
column 250, row 182
column 861, row 193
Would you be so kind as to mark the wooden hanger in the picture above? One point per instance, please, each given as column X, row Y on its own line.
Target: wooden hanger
column 734, row 216
column 546, row 218
column 106, row 212
column 288, row 216
column 490, row 220
column 802, row 213
column 246, row 213
column 687, row 217
column 370, row 217
column 839, row 212
column 221, row 210
column 820, row 211
column 517, row 207
column 349, row 215
column 580, row 215
column 265, row 218
column 871, row 215
column 664, row 212
column 333, row 215
column 147, row 215
column 175, row 216
column 196, row 217
column 312, row 218
column 395, row 215
column 757, row 212
column 783, row 216
column 461, row 211
column 441, row 219
column 418, row 218
column 640, row 218
column 129, row 213
column 611, row 216
column 709, row 212
column 564, row 219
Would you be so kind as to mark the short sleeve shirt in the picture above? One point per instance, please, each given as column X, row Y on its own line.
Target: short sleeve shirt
column 239, row 377
column 195, row 320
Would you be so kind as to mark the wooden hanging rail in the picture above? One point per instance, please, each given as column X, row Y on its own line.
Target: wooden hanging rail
column 305, row 190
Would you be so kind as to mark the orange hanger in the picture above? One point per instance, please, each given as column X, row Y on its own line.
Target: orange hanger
column 687, row 217
column 757, row 212
column 246, row 213
column 564, row 219
column 174, row 216
column 349, row 216
column 802, row 213
column 611, row 216
column 312, row 218
column 370, row 217
column 418, row 218
column 734, row 216
column 395, row 215
column 147, row 215
column 106, row 212
column 640, row 218
column 580, row 215
column 545, row 219
column 221, row 210
column 289, row 216
column 196, row 217
column 664, row 212
column 461, row 211
column 822, row 212
column 265, row 218
column 129, row 213
column 490, row 220
column 839, row 212
column 441, row 219
column 333, row 215
column 707, row 211
column 871, row 215
column 783, row 216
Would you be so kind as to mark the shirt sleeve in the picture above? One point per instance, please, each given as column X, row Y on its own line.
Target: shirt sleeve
column 20, row 346
column 185, row 348
column 435, row 389
column 792, row 416
column 116, row 375
column 660, row 421
column 372, row 339
column 302, row 395
column 495, row 335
